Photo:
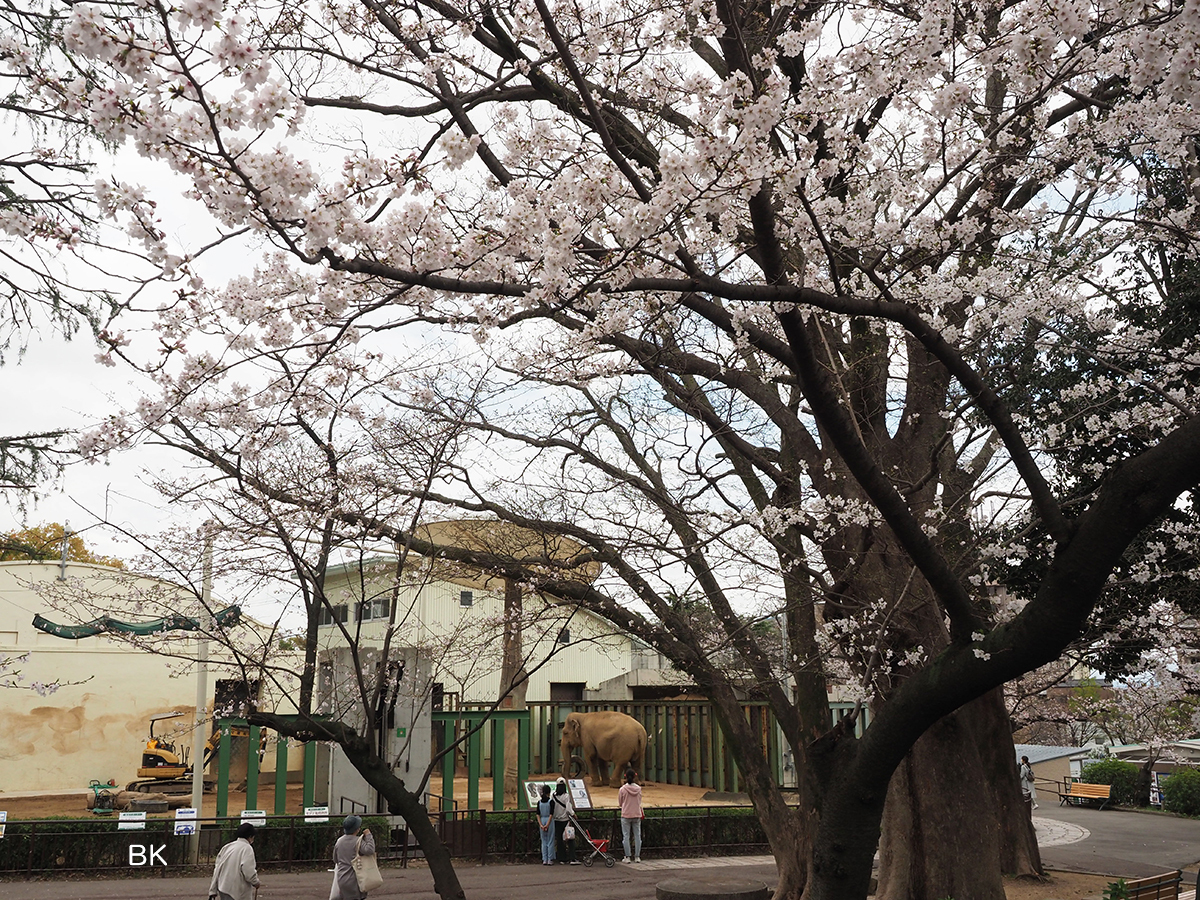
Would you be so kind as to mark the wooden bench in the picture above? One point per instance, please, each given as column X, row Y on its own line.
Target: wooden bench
column 1157, row 887
column 1077, row 790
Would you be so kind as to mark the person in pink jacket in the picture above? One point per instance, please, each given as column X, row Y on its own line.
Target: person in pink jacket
column 630, row 798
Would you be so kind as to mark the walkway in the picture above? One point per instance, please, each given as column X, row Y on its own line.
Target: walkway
column 1109, row 842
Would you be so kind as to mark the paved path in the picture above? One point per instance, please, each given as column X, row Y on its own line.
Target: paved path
column 1109, row 842
column 1119, row 842
column 491, row 882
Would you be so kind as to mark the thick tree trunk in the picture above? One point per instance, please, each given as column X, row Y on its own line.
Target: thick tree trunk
column 1019, row 853
column 941, row 837
column 845, row 842
column 954, row 821
column 400, row 800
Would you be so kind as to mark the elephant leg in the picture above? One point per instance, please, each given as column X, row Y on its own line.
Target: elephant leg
column 594, row 764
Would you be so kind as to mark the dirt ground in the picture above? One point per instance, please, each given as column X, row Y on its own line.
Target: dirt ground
column 1059, row 886
column 603, row 797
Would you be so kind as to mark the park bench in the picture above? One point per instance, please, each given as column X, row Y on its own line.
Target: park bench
column 1157, row 887
column 1080, row 792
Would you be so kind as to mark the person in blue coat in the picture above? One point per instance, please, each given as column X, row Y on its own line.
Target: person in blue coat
column 545, row 818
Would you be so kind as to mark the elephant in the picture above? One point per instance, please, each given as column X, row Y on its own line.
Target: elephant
column 605, row 737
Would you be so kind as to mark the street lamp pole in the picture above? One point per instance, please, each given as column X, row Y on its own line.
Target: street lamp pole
column 201, row 699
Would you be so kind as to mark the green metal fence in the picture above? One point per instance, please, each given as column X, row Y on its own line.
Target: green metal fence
column 685, row 744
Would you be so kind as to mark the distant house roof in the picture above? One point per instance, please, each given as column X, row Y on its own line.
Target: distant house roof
column 1038, row 753
column 1186, row 750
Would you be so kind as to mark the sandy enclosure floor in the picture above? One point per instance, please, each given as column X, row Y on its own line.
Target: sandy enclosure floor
column 75, row 804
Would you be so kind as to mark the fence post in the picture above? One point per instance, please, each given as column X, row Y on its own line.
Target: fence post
column 281, row 773
column 29, row 857
column 482, row 836
column 291, row 842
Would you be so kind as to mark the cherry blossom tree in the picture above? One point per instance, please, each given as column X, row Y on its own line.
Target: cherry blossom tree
column 743, row 299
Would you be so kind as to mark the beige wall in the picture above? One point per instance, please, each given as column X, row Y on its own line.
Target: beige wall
column 96, row 724
column 1050, row 774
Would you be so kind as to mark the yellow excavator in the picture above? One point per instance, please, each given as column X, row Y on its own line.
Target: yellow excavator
column 163, row 770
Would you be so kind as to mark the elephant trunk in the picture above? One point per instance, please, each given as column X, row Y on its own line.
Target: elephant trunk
column 565, row 750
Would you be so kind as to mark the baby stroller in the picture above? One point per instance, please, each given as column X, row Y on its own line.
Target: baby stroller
column 584, row 841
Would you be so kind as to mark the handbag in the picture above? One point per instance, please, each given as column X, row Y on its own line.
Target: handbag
column 569, row 833
column 366, row 870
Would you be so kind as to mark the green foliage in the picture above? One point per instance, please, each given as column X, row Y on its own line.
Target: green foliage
column 95, row 844
column 1181, row 792
column 1116, row 890
column 44, row 542
column 677, row 832
column 1123, row 776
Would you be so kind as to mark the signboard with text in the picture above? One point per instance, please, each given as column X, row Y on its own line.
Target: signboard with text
column 578, row 790
column 132, row 821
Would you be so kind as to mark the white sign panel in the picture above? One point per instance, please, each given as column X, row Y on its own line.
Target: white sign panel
column 316, row 814
column 578, row 790
column 186, row 821
column 255, row 817
column 3, row 819
column 132, row 821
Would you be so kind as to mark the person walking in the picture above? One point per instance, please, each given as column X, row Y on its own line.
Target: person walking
column 545, row 817
column 563, row 808
column 352, row 843
column 630, row 799
column 235, row 875
column 1028, row 791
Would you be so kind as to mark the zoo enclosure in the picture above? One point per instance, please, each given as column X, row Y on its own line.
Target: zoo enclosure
column 685, row 744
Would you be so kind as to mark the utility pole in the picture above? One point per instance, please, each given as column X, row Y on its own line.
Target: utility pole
column 205, row 618
column 62, row 557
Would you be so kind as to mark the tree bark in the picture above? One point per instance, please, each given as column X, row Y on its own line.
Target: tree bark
column 514, row 681
column 954, row 798
column 400, row 800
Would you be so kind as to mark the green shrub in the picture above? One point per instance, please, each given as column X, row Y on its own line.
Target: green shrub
column 93, row 844
column 671, row 831
column 1181, row 792
column 1123, row 776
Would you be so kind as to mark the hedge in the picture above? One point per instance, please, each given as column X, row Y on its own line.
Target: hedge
column 1123, row 776
column 1181, row 792
column 93, row 844
column 685, row 831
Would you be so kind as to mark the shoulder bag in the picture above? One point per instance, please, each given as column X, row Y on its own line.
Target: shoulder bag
column 366, row 870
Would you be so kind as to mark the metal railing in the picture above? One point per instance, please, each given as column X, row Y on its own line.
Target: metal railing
column 38, row 847
column 44, row 847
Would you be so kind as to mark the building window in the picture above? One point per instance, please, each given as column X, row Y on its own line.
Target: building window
column 466, row 598
column 564, row 636
column 340, row 613
column 373, row 609
column 566, row 691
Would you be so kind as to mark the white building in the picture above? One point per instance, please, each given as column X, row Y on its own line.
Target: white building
column 455, row 620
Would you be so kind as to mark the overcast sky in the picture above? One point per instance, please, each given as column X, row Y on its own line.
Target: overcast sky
column 59, row 384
